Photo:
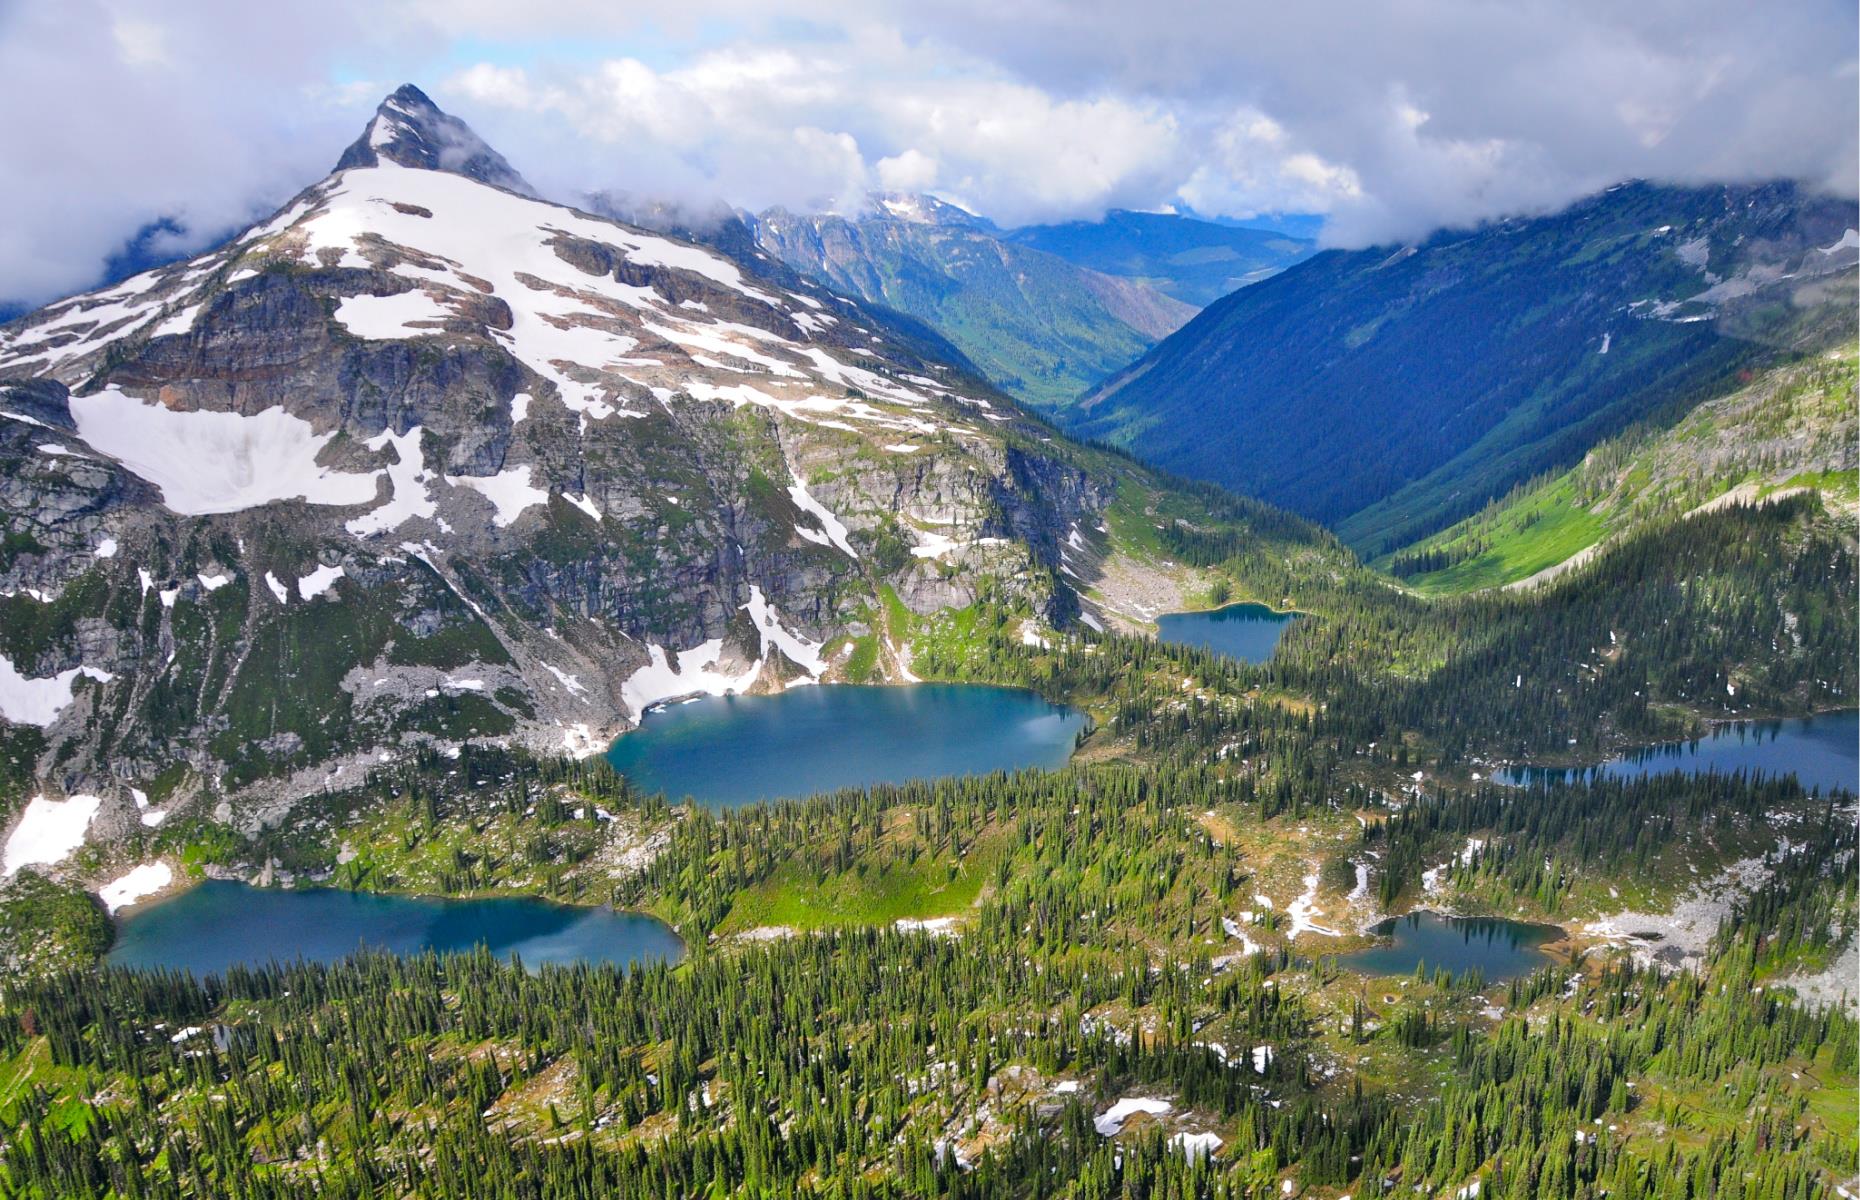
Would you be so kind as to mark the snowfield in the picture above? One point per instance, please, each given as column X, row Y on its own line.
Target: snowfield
column 216, row 462
column 48, row 831
column 25, row 701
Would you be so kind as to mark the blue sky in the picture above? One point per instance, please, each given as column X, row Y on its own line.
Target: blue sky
column 1390, row 119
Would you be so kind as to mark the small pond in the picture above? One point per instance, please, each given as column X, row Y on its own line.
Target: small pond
column 1502, row 949
column 1247, row 632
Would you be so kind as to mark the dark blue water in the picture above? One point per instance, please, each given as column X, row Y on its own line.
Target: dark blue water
column 1248, row 632
column 735, row 750
column 219, row 923
column 1502, row 949
column 1821, row 751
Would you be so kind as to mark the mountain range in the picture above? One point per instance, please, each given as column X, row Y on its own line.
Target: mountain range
column 1195, row 261
column 1038, row 326
column 1391, row 391
column 333, row 558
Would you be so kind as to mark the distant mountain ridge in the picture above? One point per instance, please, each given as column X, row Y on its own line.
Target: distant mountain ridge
column 1040, row 327
column 1193, row 260
column 1391, row 391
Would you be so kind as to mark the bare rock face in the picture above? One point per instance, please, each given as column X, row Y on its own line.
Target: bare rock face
column 422, row 458
column 411, row 130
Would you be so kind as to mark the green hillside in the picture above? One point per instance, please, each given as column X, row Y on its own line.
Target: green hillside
column 1788, row 428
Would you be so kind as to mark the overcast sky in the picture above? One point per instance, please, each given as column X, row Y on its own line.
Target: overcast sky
column 1393, row 117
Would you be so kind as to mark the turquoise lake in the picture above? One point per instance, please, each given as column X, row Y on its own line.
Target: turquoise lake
column 1247, row 632
column 1821, row 751
column 1502, row 949
column 219, row 923
column 735, row 750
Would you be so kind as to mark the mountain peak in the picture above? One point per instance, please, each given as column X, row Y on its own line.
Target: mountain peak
column 409, row 129
column 921, row 208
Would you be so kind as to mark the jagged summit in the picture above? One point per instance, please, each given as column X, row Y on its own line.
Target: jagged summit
column 409, row 129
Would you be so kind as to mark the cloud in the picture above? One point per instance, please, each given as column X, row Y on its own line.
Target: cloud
column 819, row 126
column 1450, row 111
column 122, row 115
column 1392, row 118
column 910, row 171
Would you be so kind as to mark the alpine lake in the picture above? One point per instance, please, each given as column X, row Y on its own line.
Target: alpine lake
column 1247, row 632
column 723, row 752
column 1821, row 751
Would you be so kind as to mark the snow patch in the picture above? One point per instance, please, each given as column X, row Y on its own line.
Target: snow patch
column 799, row 650
column 318, row 581
column 509, row 490
column 1302, row 909
column 695, row 673
column 48, row 831
column 1196, row 1145
column 835, row 529
column 132, row 886
column 1111, row 1122
column 585, row 503
column 408, row 496
column 391, row 318
column 216, row 462
column 26, row 701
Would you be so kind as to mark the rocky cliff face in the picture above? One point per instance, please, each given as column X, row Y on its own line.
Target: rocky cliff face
column 423, row 458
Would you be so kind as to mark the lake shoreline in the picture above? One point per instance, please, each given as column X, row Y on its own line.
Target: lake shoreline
column 1263, row 604
column 183, row 888
column 1628, row 752
column 722, row 751
column 1244, row 631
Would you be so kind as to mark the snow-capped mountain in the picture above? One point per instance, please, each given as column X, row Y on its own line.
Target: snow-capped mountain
column 423, row 457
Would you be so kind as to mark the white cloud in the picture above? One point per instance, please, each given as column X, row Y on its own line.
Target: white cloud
column 124, row 113
column 1252, row 166
column 820, row 125
column 909, row 171
column 1393, row 118
column 140, row 43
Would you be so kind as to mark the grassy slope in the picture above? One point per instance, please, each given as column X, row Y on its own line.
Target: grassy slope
column 1787, row 428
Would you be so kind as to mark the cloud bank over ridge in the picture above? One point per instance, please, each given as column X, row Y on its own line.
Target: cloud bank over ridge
column 1393, row 120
